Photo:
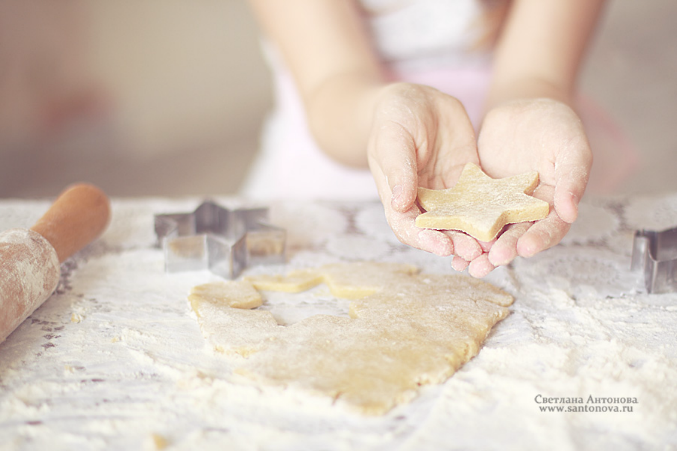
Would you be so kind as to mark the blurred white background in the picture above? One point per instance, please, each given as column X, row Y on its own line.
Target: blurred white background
column 173, row 93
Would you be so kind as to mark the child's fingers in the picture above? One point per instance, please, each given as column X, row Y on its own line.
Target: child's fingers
column 571, row 178
column 394, row 152
column 403, row 224
column 459, row 264
column 545, row 233
column 542, row 235
column 486, row 245
column 481, row 266
column 465, row 246
column 504, row 249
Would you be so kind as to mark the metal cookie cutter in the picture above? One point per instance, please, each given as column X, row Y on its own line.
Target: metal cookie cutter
column 655, row 253
column 221, row 240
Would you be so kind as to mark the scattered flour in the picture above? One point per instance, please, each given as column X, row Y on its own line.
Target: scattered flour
column 136, row 367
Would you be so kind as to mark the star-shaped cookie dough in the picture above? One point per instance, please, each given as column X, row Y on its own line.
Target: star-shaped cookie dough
column 479, row 205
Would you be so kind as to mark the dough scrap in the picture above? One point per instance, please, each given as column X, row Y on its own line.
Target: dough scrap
column 409, row 330
column 289, row 284
column 481, row 206
column 225, row 318
column 231, row 294
column 359, row 279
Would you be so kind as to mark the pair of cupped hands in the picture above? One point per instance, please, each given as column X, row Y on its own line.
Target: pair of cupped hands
column 423, row 137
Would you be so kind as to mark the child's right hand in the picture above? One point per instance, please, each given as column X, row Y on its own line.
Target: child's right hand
column 420, row 137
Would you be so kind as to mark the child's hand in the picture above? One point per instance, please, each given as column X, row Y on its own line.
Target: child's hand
column 526, row 135
column 420, row 137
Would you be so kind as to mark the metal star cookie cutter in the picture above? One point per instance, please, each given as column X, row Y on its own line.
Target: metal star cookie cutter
column 221, row 240
column 655, row 253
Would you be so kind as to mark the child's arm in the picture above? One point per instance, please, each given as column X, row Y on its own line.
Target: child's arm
column 530, row 124
column 541, row 48
column 324, row 45
column 410, row 135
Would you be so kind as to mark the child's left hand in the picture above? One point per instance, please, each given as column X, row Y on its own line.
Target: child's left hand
column 541, row 135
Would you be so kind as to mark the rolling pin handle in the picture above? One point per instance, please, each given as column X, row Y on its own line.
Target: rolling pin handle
column 78, row 216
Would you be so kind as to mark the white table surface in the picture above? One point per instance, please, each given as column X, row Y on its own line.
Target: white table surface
column 115, row 358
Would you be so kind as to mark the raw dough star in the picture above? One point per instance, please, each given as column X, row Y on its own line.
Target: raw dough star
column 480, row 205
column 407, row 330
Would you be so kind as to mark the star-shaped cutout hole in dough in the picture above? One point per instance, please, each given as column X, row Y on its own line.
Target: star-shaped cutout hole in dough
column 481, row 206
column 405, row 330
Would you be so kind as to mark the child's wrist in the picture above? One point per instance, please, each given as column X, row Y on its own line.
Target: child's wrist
column 528, row 88
column 340, row 114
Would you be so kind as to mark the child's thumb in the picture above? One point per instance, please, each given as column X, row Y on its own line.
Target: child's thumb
column 399, row 167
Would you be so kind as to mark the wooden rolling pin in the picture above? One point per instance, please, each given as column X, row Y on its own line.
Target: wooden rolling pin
column 30, row 258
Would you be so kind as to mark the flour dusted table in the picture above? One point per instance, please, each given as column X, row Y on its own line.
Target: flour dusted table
column 115, row 358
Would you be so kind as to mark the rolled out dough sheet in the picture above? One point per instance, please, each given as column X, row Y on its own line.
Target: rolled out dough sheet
column 405, row 330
